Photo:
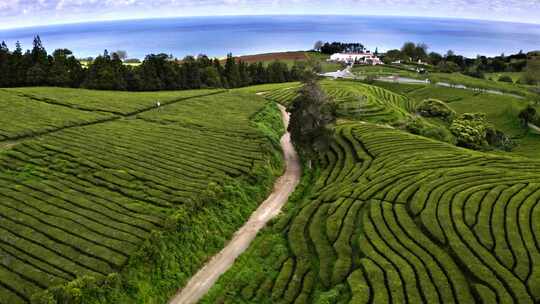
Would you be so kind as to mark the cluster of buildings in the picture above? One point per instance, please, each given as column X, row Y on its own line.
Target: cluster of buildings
column 365, row 57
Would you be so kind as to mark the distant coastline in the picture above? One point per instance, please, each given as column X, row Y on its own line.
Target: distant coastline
column 246, row 35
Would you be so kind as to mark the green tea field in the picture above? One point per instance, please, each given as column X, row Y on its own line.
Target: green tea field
column 501, row 110
column 107, row 198
column 395, row 104
column 391, row 217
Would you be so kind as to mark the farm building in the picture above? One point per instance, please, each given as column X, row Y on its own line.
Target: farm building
column 357, row 58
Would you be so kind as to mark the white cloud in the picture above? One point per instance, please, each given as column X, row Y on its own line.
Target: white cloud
column 47, row 11
column 9, row 4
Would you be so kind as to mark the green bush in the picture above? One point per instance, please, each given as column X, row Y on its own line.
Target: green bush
column 499, row 140
column 447, row 67
column 529, row 115
column 470, row 130
column 418, row 126
column 435, row 108
column 506, row 78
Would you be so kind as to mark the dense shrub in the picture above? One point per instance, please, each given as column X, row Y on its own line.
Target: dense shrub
column 499, row 140
column 506, row 78
column 470, row 130
column 447, row 67
column 417, row 126
column 436, row 108
column 529, row 115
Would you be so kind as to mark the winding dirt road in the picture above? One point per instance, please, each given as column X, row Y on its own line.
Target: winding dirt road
column 203, row 280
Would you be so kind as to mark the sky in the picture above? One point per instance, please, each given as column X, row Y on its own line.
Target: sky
column 24, row 13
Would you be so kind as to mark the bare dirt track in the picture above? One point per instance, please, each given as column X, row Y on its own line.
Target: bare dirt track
column 203, row 280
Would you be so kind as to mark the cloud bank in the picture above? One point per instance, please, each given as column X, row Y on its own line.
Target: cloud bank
column 19, row 13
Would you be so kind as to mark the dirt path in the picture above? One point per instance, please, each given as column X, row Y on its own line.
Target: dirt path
column 203, row 280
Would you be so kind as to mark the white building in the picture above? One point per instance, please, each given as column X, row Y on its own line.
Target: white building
column 357, row 58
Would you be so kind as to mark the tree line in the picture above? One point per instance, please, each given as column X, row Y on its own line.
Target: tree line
column 338, row 47
column 475, row 67
column 36, row 67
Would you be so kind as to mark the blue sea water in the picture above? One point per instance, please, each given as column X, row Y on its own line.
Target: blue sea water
column 242, row 35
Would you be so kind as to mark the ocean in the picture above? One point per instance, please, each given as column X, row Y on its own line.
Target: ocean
column 243, row 35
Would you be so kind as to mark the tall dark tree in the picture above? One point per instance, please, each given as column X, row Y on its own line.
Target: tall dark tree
column 243, row 71
column 4, row 65
column 231, row 72
column 210, row 77
column 106, row 73
column 65, row 70
column 192, row 73
column 18, row 66
column 277, row 72
column 258, row 73
column 529, row 115
column 39, row 54
column 160, row 72
column 312, row 119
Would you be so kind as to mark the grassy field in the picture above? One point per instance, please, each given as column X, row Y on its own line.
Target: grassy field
column 471, row 82
column 385, row 71
column 124, row 211
column 389, row 217
column 515, row 76
column 502, row 110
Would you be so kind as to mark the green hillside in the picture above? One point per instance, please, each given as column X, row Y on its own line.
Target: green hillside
column 121, row 200
column 355, row 100
column 501, row 110
column 107, row 198
column 390, row 217
column 397, row 105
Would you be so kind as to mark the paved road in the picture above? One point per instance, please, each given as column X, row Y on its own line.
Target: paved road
column 203, row 280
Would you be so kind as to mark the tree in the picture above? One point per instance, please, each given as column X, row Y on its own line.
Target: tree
column 435, row 58
column 5, row 57
column 65, row 70
column 447, row 67
column 157, row 72
column 231, row 72
column 258, row 73
column 506, row 78
column 312, row 119
column 106, row 73
column 39, row 54
column 470, row 130
column 529, row 115
column 339, row 47
column 409, row 50
column 532, row 73
column 392, row 56
column 277, row 72
column 36, row 75
column 191, row 72
column 121, row 54
column 420, row 52
column 318, row 45
column 210, row 77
